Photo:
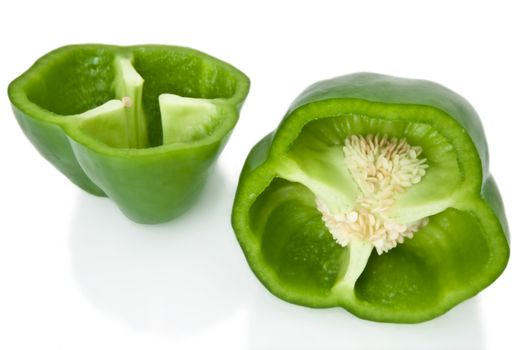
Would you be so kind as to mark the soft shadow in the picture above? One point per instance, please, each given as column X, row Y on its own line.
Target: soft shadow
column 171, row 278
column 279, row 325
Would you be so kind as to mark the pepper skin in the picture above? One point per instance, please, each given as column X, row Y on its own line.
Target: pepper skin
column 142, row 125
column 373, row 194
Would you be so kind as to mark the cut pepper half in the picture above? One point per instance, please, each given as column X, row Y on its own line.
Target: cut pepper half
column 142, row 125
column 373, row 194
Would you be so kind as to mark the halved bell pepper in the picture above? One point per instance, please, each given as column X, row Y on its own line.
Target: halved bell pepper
column 142, row 125
column 374, row 195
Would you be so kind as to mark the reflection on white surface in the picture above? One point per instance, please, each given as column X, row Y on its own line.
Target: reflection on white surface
column 278, row 325
column 181, row 277
column 171, row 278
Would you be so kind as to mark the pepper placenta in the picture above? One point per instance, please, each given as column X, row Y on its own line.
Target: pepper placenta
column 142, row 125
column 373, row 194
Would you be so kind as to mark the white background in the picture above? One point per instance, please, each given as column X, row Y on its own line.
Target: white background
column 76, row 274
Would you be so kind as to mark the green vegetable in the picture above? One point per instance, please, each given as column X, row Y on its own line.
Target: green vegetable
column 374, row 195
column 142, row 125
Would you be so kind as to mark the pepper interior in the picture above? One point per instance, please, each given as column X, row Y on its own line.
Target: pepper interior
column 145, row 97
column 446, row 252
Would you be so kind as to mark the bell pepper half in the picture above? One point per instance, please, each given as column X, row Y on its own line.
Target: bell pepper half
column 142, row 125
column 373, row 194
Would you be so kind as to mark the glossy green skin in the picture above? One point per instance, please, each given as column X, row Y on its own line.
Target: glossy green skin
column 152, row 184
column 461, row 251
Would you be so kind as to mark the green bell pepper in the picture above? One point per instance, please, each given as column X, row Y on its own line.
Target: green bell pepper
column 142, row 125
column 370, row 163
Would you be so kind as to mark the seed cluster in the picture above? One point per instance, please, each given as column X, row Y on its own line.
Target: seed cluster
column 381, row 167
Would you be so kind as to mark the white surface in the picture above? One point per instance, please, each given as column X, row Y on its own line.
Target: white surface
column 75, row 274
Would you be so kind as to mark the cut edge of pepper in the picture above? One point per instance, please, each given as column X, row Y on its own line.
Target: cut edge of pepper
column 227, row 107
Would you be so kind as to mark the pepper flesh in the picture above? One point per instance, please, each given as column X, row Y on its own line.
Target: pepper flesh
column 298, row 179
column 142, row 125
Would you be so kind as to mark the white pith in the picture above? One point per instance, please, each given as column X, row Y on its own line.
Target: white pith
column 381, row 167
column 183, row 119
